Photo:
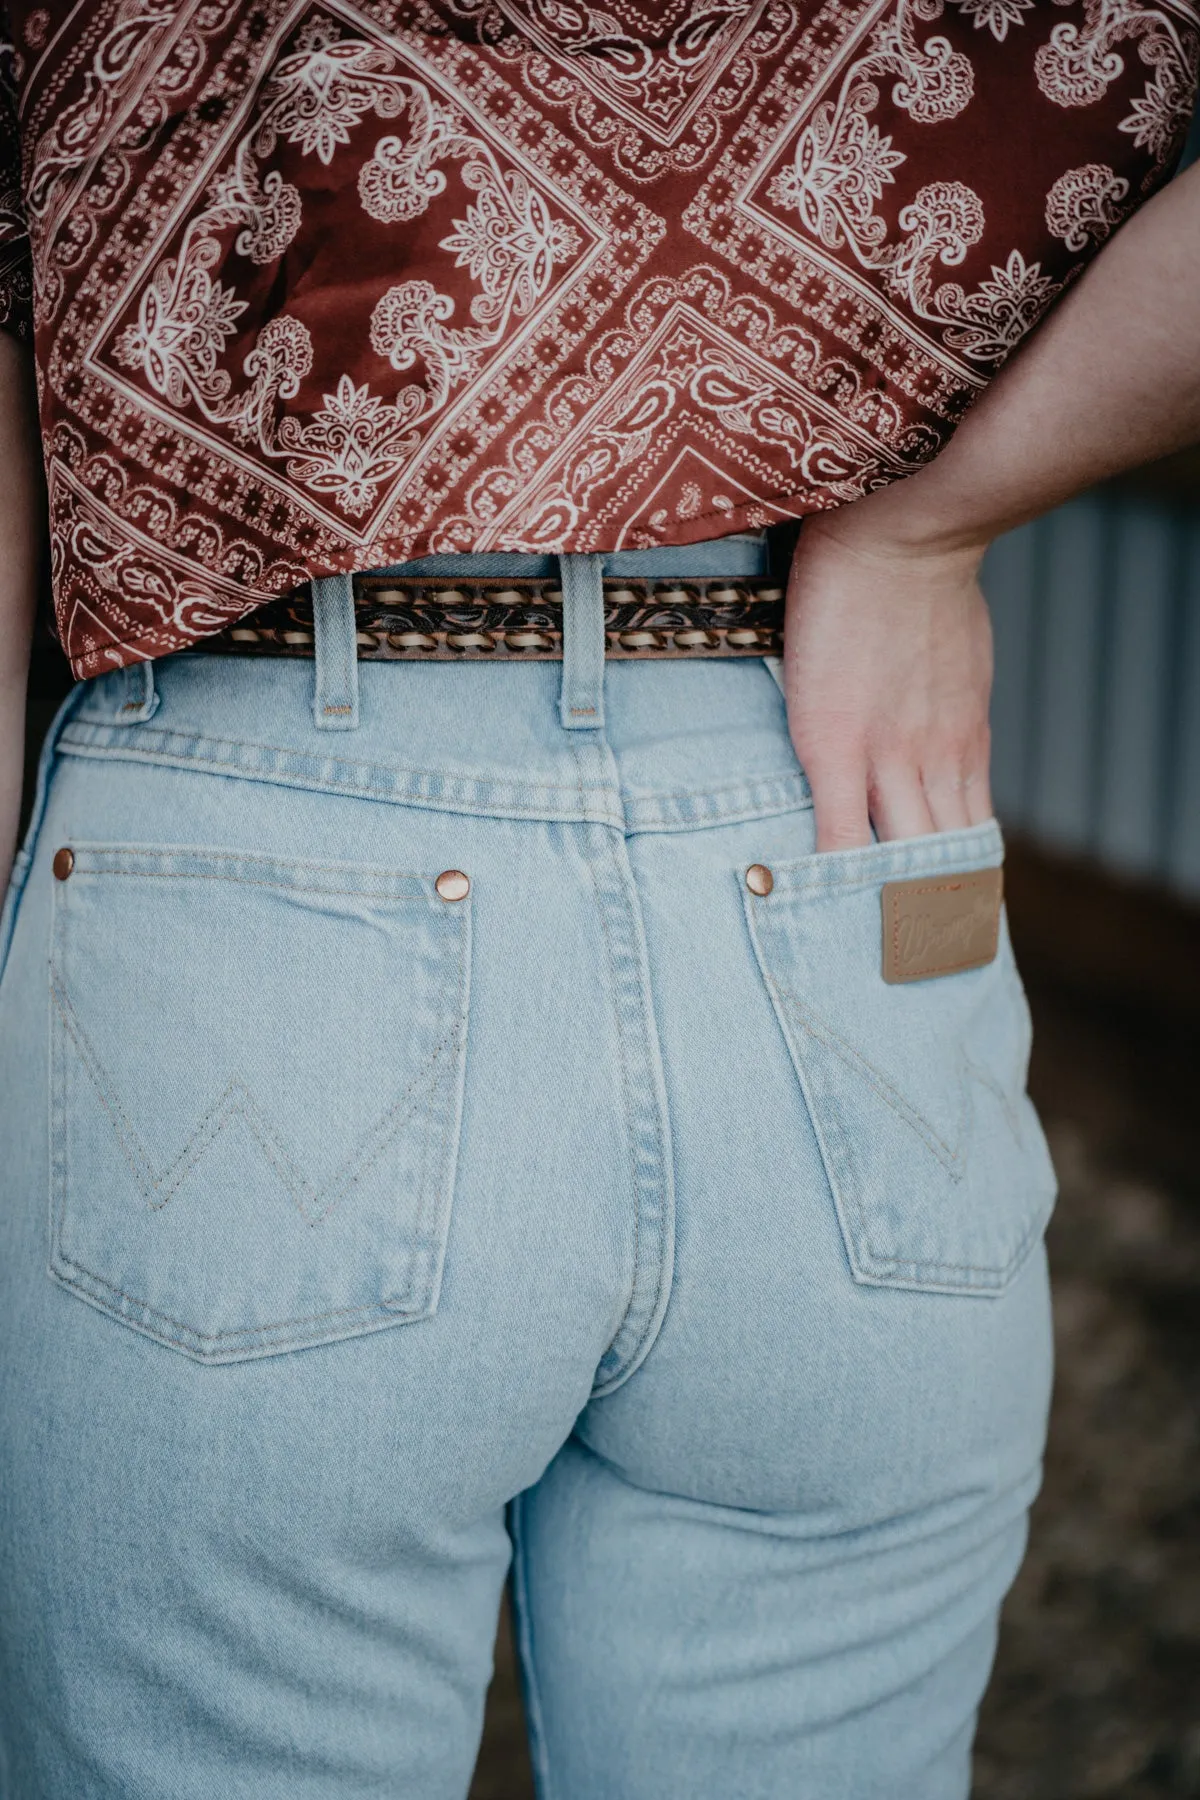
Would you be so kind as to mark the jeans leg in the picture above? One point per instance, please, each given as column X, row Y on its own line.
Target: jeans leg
column 770, row 1564
column 280, row 1573
column 671, row 1646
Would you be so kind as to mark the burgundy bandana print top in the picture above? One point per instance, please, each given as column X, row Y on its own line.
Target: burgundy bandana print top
column 320, row 285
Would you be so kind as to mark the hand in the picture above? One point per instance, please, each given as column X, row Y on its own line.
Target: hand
column 888, row 673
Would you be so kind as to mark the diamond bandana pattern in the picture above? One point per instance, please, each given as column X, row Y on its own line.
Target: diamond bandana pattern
column 328, row 286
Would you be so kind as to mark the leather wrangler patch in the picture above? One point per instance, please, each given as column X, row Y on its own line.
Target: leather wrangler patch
column 940, row 924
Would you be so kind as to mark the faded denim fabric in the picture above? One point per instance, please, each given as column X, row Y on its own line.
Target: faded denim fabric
column 611, row 1222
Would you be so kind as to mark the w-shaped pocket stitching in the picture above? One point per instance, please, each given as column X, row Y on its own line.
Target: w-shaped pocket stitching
column 953, row 1155
column 236, row 1100
column 177, row 1225
column 937, row 1165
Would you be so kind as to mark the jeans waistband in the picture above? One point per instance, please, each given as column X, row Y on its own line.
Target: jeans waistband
column 648, row 746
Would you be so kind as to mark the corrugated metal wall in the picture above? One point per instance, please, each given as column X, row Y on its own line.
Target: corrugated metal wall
column 1096, row 715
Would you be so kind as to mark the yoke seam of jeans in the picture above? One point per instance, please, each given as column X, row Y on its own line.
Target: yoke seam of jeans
column 646, row 797
column 593, row 811
column 653, row 796
column 157, row 731
column 346, row 790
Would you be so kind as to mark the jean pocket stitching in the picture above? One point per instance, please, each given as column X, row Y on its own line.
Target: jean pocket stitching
column 845, row 1195
column 828, row 872
column 800, row 1022
column 380, row 1136
column 158, row 1192
column 279, row 1332
column 123, row 1127
column 953, row 1159
column 950, row 1270
column 402, row 1286
column 188, row 1333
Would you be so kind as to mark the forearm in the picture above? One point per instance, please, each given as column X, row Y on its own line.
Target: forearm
column 20, row 548
column 886, row 644
column 1111, row 379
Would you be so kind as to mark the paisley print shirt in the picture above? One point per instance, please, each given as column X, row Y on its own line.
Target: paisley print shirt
column 325, row 284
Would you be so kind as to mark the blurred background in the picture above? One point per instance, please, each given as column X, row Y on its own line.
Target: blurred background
column 1096, row 1692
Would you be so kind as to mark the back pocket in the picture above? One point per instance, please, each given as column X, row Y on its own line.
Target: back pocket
column 257, row 1088
column 937, row 1162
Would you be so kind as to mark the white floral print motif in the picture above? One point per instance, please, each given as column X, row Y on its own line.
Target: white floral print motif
column 656, row 80
column 996, row 15
column 320, row 95
column 1085, row 205
column 402, row 178
column 842, row 163
column 944, row 221
column 1080, row 63
column 509, row 241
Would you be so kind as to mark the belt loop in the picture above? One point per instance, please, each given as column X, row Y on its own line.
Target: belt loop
column 141, row 698
column 335, row 651
column 581, row 707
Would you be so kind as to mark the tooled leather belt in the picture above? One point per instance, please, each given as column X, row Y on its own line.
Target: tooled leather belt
column 520, row 617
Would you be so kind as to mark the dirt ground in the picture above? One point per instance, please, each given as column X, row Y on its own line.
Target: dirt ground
column 1096, row 1691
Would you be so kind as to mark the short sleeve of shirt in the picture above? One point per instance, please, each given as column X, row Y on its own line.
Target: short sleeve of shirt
column 16, row 275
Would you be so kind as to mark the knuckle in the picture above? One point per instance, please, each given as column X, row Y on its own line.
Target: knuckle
column 843, row 835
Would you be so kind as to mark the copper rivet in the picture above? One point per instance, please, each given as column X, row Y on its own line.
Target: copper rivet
column 759, row 880
column 452, row 884
column 64, row 862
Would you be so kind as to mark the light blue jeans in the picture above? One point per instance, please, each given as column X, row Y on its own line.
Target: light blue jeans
column 612, row 1220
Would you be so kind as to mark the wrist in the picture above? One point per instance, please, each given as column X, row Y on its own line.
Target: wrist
column 891, row 535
